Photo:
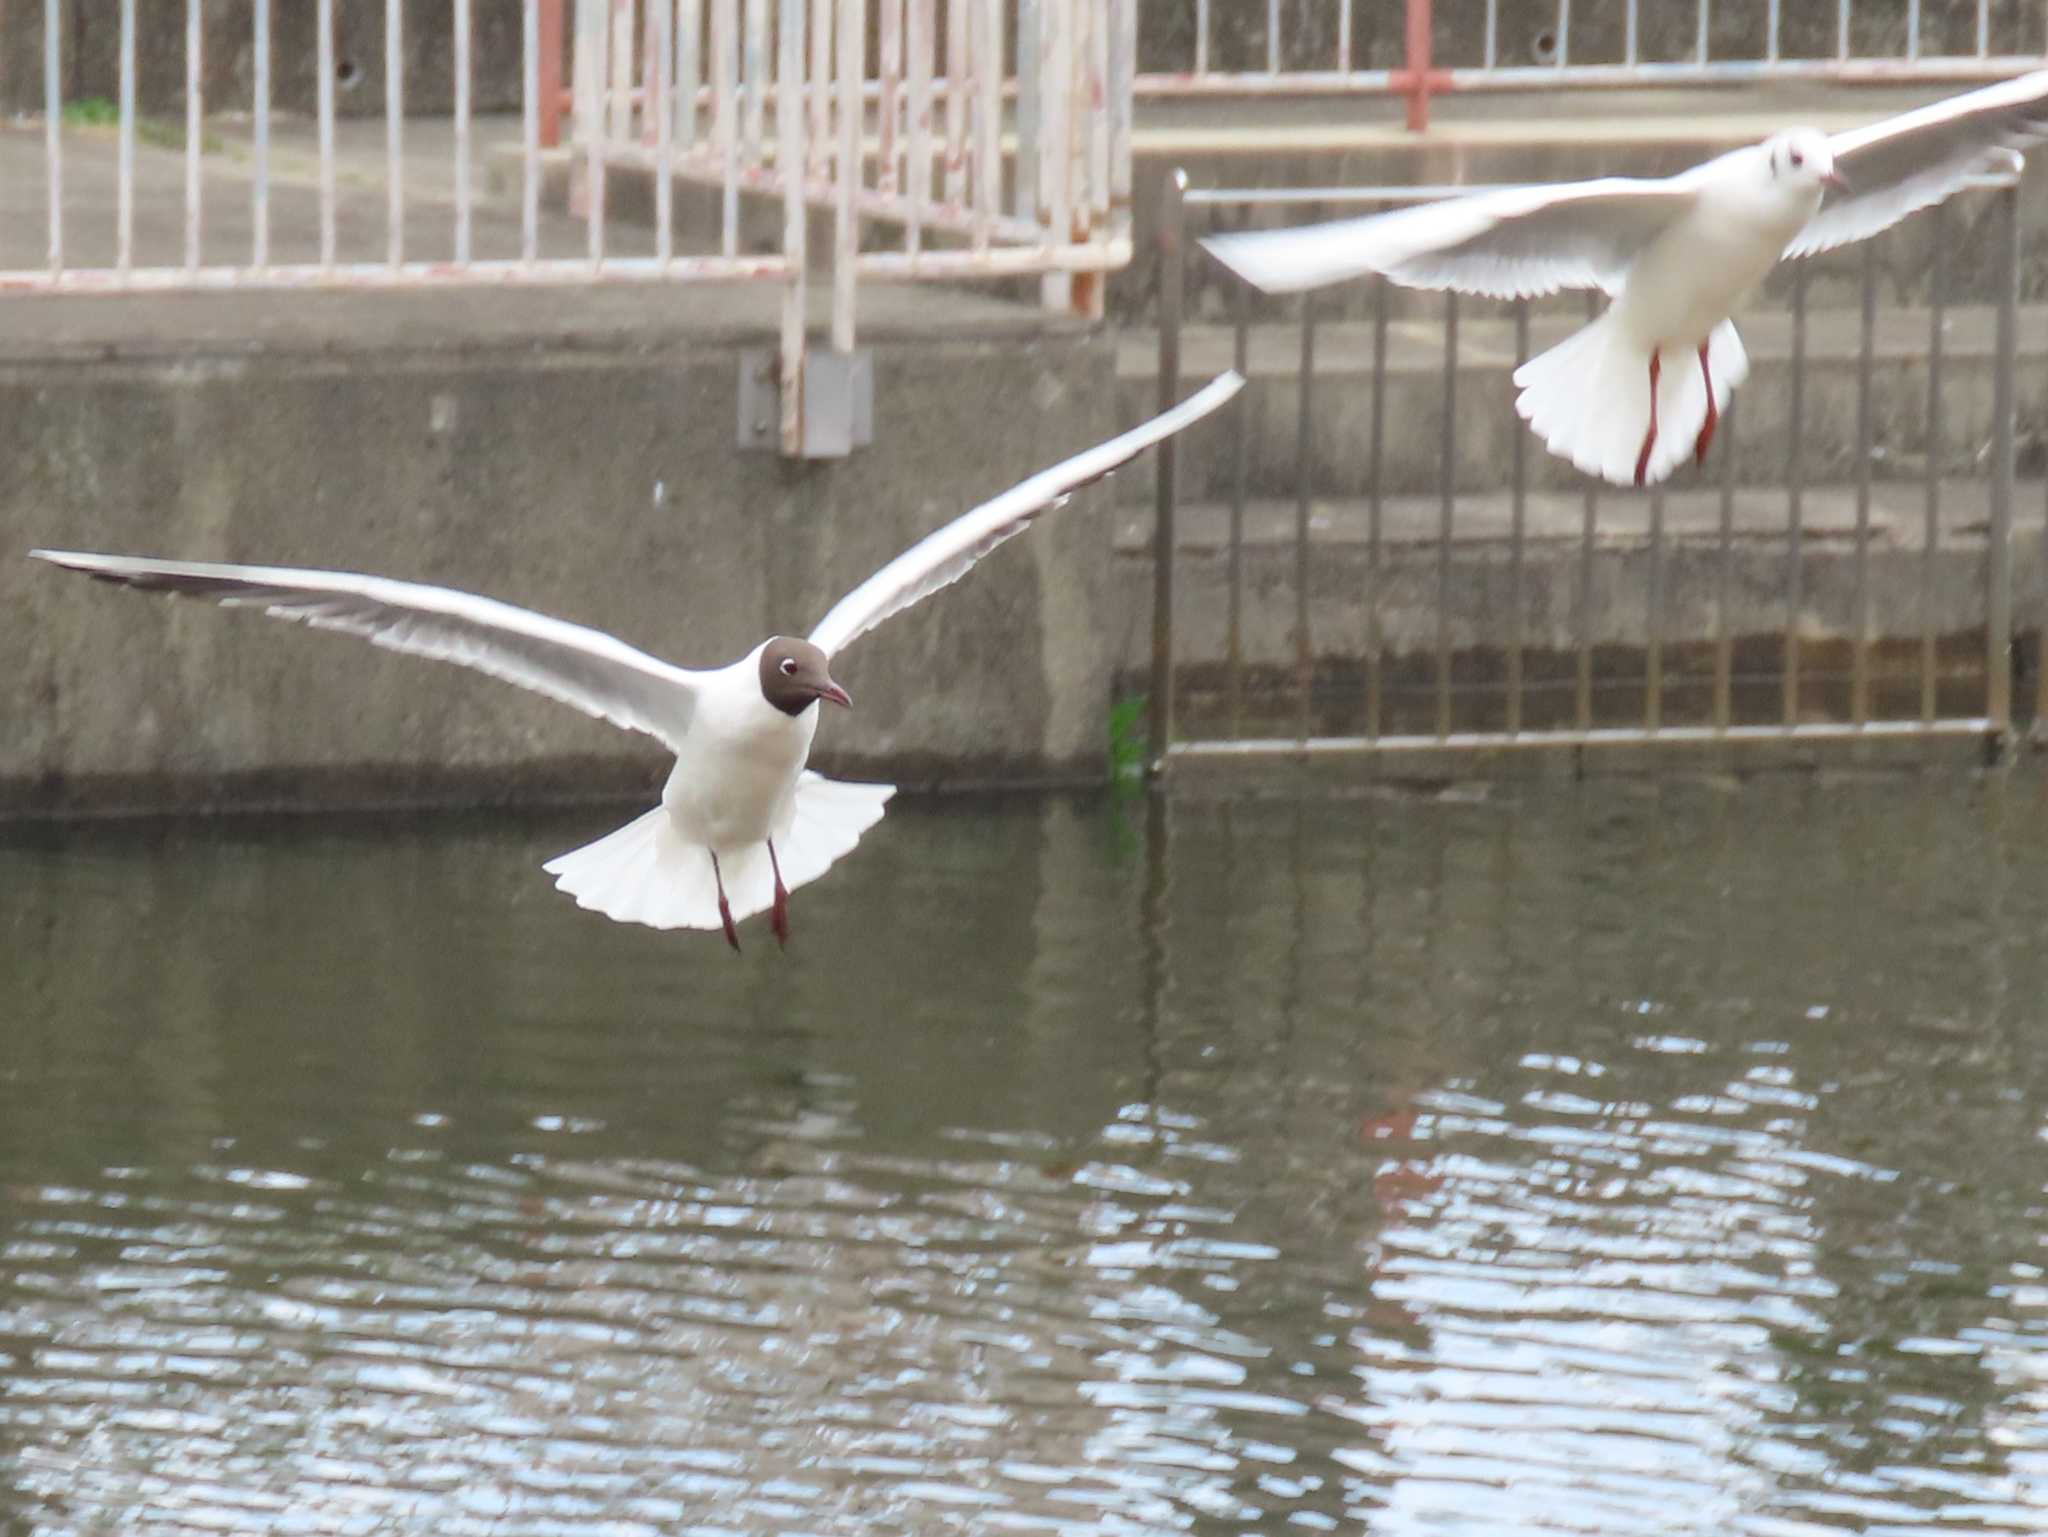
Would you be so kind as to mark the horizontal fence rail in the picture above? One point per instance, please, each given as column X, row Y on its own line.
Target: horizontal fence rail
column 1417, row 49
column 1306, row 605
column 946, row 140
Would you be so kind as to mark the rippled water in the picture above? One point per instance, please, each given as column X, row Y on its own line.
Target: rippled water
column 1607, row 1159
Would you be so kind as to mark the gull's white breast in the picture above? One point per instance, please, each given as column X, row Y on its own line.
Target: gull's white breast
column 734, row 782
column 1692, row 277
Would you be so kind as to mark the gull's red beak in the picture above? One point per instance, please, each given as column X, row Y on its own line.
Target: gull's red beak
column 836, row 694
column 1836, row 180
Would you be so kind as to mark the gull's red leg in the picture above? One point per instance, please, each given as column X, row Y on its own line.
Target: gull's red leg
column 1713, row 411
column 732, row 933
column 1650, row 437
column 779, row 918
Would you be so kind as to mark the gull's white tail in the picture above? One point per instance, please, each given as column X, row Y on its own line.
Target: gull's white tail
column 1588, row 398
column 645, row 873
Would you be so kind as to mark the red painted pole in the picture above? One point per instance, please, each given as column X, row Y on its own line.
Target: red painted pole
column 550, row 43
column 1417, row 84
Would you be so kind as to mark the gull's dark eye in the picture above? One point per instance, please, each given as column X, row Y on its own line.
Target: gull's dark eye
column 789, row 667
column 1798, row 160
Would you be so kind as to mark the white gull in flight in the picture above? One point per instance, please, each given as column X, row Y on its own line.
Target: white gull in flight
column 1675, row 255
column 741, row 820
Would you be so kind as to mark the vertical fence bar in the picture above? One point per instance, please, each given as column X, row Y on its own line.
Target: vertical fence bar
column 1983, row 28
column 1653, row 639
column 1772, row 29
column 1272, row 37
column 1037, row 26
column 959, row 67
column 918, row 29
column 462, row 109
column 1842, row 28
column 1998, row 609
column 1375, row 508
column 1304, row 646
column 1724, row 573
column 1930, row 530
column 1631, row 31
column 1201, row 37
column 53, row 124
column 689, row 69
column 988, row 118
column 789, row 124
column 394, row 123
column 824, row 44
column 1582, row 701
column 1240, row 443
column 124, row 194
column 1490, row 52
column 1172, row 227
column 660, row 59
column 529, row 131
column 1447, row 464
column 725, row 69
column 889, row 101
column 1417, row 42
column 1518, row 518
column 1056, row 69
column 1344, row 35
column 853, row 19
column 618, row 81
column 1564, row 33
column 323, row 56
column 1795, row 496
column 1912, row 29
column 1701, row 30
column 1859, row 666
column 195, row 117
column 259, row 254
column 757, row 80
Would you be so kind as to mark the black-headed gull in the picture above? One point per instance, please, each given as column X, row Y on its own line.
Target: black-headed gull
column 741, row 820
column 1676, row 256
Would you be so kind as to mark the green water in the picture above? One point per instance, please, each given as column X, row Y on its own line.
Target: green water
column 1609, row 1158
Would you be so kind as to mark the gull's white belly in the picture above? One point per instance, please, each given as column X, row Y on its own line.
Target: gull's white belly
column 734, row 782
column 1692, row 277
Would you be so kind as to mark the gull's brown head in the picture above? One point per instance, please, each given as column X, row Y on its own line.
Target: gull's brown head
column 794, row 673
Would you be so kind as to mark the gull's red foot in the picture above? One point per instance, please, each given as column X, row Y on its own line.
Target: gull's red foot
column 1699, row 449
column 1650, row 437
column 732, row 933
column 778, row 918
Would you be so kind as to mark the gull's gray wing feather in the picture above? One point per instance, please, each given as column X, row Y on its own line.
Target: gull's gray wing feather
column 1507, row 243
column 589, row 669
column 1920, row 158
column 943, row 557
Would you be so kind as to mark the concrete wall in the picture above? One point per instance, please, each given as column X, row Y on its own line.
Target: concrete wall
column 593, row 477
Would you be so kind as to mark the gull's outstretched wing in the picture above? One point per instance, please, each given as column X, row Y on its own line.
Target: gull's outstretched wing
column 1917, row 159
column 945, row 556
column 1507, row 243
column 586, row 668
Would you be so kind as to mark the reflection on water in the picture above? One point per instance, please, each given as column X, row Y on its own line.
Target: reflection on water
column 1603, row 1159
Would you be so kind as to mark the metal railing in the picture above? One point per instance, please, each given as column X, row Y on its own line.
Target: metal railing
column 1441, row 46
column 898, row 128
column 1468, row 668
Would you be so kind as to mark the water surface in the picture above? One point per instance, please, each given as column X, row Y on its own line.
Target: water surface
column 1608, row 1158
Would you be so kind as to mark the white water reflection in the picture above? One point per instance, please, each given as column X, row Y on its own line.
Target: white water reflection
column 1572, row 1160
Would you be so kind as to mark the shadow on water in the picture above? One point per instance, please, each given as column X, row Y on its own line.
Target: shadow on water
column 1612, row 1158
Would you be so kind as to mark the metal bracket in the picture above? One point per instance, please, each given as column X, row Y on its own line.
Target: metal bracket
column 838, row 406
